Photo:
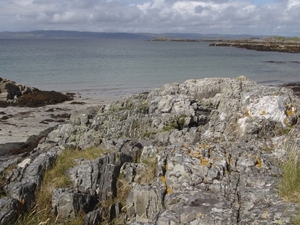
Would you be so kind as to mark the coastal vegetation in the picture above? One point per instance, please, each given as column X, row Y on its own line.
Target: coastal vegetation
column 56, row 178
column 289, row 185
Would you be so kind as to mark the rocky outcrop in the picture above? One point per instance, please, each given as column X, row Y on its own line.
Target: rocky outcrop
column 201, row 152
column 15, row 94
column 10, row 90
column 261, row 45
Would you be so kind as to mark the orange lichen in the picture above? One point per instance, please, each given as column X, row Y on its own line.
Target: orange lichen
column 169, row 191
column 163, row 179
column 204, row 146
column 263, row 113
column 247, row 113
column 200, row 215
column 258, row 162
column 290, row 110
column 204, row 162
column 195, row 154
column 165, row 167
column 186, row 145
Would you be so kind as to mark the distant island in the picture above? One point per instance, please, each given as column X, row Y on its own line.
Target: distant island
column 274, row 43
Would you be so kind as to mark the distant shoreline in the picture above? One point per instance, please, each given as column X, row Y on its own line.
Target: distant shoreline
column 275, row 44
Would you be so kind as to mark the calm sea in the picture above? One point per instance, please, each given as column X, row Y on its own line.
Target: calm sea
column 117, row 67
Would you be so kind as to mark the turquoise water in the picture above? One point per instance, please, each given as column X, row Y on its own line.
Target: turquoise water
column 128, row 66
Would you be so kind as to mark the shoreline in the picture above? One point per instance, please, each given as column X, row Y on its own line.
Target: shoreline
column 273, row 44
column 269, row 45
column 22, row 124
column 21, row 127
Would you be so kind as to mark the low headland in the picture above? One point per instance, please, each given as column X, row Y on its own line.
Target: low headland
column 276, row 44
column 206, row 151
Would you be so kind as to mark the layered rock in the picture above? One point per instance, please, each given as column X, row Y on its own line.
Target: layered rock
column 15, row 94
column 202, row 152
column 10, row 90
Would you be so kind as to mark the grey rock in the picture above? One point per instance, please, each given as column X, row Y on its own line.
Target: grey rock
column 83, row 116
column 23, row 192
column 94, row 217
column 10, row 210
column 67, row 204
column 144, row 202
column 10, row 90
column 35, row 171
column 211, row 147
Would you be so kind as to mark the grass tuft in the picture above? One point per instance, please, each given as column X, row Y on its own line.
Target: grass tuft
column 56, row 178
column 148, row 175
column 289, row 186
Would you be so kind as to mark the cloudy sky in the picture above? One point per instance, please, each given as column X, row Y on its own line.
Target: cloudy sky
column 266, row 17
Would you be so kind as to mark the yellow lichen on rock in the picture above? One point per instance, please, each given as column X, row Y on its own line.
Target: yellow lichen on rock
column 247, row 113
column 169, row 190
column 204, row 162
column 290, row 110
column 258, row 162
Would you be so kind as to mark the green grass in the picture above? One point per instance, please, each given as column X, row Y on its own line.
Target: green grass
column 289, row 186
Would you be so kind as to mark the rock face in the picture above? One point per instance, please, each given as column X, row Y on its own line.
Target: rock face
column 10, row 90
column 202, row 152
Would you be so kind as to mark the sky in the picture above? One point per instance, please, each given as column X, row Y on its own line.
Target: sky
column 256, row 17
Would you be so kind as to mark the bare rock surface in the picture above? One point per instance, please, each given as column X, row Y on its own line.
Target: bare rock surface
column 28, row 114
column 201, row 152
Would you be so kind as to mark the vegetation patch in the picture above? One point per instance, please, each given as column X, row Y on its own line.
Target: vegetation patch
column 56, row 178
column 124, row 189
column 149, row 173
column 289, row 186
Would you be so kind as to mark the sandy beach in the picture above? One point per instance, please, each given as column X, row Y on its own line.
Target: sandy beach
column 17, row 124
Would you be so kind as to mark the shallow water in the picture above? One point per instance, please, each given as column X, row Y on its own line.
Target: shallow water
column 117, row 67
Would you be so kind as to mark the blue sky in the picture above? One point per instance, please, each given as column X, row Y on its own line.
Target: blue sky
column 257, row 17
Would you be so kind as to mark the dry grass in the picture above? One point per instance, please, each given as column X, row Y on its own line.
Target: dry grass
column 148, row 175
column 56, row 178
column 289, row 186
column 124, row 189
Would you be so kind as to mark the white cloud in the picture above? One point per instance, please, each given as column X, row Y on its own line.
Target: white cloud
column 203, row 16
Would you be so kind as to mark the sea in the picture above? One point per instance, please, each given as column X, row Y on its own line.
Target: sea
column 118, row 67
